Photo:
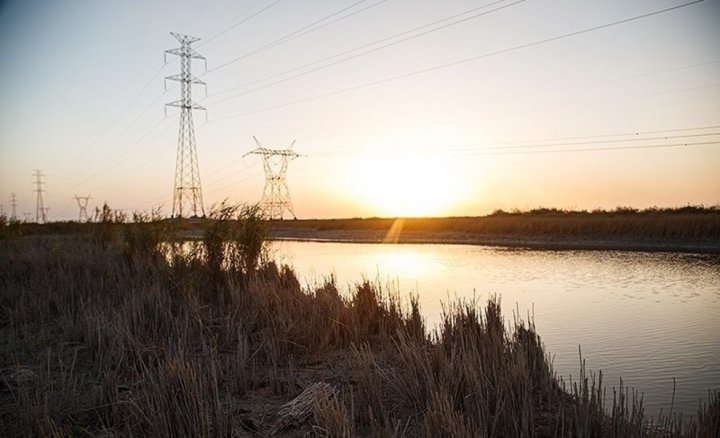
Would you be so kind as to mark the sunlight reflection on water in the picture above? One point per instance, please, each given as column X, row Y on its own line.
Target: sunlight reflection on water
column 645, row 317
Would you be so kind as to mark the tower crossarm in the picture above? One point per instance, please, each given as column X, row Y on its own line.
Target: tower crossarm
column 180, row 104
column 180, row 51
column 273, row 152
column 181, row 78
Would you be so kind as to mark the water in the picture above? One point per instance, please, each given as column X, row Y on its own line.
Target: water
column 645, row 317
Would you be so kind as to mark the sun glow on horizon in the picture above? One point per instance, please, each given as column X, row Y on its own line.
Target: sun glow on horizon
column 406, row 186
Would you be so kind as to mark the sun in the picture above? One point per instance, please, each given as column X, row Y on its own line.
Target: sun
column 406, row 185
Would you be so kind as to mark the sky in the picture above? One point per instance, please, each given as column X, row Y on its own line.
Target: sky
column 398, row 107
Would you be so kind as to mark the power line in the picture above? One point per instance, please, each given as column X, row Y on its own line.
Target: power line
column 375, row 49
column 242, row 21
column 121, row 154
column 206, row 193
column 227, row 165
column 544, row 141
column 92, row 144
column 300, row 32
column 582, row 143
column 197, row 12
column 611, row 148
column 541, row 144
column 146, row 162
column 528, row 152
column 466, row 60
column 605, row 101
column 234, row 183
column 355, row 49
column 598, row 139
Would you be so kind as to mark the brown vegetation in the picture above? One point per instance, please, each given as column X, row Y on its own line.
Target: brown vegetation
column 681, row 229
column 690, row 222
column 132, row 334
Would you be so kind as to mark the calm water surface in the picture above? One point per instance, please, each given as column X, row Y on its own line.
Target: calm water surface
column 645, row 317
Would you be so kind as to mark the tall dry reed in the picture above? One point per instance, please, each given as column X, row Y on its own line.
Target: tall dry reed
column 126, row 338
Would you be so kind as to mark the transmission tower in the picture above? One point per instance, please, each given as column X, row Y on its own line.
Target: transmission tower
column 40, row 210
column 187, row 173
column 13, row 204
column 276, row 195
column 82, row 202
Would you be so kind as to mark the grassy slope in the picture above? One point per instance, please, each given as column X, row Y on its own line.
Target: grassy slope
column 100, row 336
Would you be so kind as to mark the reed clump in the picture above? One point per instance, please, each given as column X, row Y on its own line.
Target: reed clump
column 139, row 337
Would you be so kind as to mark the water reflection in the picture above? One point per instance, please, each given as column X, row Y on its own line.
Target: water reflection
column 647, row 317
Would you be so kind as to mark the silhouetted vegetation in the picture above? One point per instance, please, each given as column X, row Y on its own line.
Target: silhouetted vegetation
column 143, row 335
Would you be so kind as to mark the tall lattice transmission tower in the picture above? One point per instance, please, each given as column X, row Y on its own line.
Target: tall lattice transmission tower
column 187, row 193
column 276, row 195
column 13, row 205
column 40, row 210
column 82, row 202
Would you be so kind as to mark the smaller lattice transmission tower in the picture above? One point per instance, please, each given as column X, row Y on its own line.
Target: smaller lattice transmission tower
column 40, row 210
column 82, row 202
column 187, row 193
column 276, row 195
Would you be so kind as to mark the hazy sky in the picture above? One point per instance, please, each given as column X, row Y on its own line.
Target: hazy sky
column 425, row 107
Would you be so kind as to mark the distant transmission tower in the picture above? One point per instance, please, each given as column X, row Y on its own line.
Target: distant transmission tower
column 276, row 195
column 13, row 204
column 187, row 172
column 40, row 210
column 82, row 202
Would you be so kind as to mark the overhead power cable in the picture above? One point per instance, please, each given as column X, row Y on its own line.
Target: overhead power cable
column 93, row 143
column 531, row 149
column 365, row 46
column 309, row 28
column 148, row 160
column 466, row 60
column 123, row 153
column 595, row 149
column 540, row 144
column 531, row 144
column 235, row 183
column 238, row 23
column 584, row 142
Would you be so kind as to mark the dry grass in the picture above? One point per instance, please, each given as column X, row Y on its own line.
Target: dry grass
column 681, row 223
column 118, row 339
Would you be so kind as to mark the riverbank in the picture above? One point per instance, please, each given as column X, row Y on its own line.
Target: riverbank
column 117, row 336
column 694, row 232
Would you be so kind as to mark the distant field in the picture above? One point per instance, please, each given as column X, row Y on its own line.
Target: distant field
column 689, row 228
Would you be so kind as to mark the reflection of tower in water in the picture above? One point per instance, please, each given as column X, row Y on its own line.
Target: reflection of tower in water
column 276, row 194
